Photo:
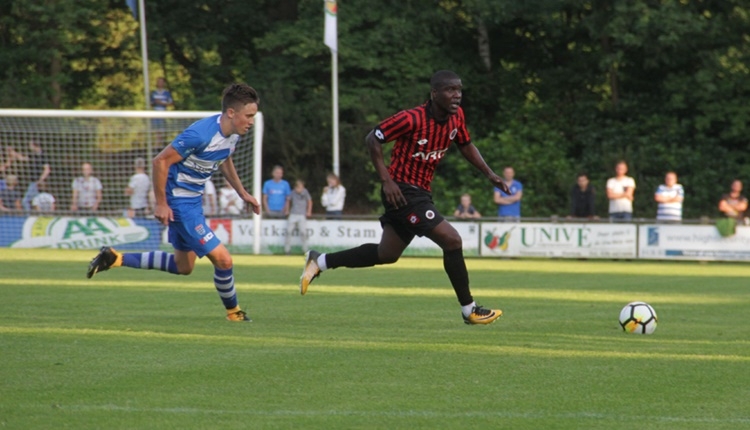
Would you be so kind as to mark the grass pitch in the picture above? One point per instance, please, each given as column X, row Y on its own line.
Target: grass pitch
column 370, row 348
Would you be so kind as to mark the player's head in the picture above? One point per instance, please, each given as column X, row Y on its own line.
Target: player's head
column 140, row 163
column 445, row 90
column 161, row 83
column 509, row 173
column 299, row 185
column 239, row 103
column 736, row 186
column 465, row 200
column 277, row 172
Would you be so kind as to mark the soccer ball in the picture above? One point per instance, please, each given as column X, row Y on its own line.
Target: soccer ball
column 638, row 317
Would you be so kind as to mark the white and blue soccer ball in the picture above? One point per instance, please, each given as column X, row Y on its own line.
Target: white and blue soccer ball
column 638, row 317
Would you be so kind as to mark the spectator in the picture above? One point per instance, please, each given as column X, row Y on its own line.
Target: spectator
column 734, row 204
column 299, row 207
column 669, row 196
column 275, row 193
column 509, row 205
column 87, row 191
column 230, row 202
column 43, row 202
column 582, row 198
column 10, row 196
column 620, row 193
column 138, row 189
column 333, row 197
column 161, row 98
column 210, row 206
column 4, row 165
column 465, row 209
column 35, row 172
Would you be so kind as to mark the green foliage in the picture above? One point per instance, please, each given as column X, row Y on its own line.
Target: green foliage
column 551, row 86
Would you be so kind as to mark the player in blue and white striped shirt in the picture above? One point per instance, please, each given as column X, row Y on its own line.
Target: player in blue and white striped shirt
column 181, row 171
column 669, row 196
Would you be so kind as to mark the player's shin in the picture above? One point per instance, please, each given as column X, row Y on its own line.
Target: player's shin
column 455, row 267
column 156, row 260
column 362, row 256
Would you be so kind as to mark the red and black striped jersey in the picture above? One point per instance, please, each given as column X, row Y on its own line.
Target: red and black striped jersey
column 421, row 142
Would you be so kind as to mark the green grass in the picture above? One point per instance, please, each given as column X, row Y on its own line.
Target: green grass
column 372, row 348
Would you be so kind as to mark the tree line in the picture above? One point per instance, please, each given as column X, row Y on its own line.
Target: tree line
column 551, row 87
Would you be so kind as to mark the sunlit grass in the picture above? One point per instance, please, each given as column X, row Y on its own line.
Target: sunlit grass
column 371, row 348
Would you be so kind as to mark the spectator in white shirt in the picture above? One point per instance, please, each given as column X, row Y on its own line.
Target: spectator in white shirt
column 138, row 189
column 620, row 194
column 230, row 202
column 87, row 191
column 210, row 207
column 333, row 197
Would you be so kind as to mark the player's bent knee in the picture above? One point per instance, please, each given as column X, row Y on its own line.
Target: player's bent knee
column 452, row 243
column 184, row 270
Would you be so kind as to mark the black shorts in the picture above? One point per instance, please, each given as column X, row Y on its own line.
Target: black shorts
column 418, row 217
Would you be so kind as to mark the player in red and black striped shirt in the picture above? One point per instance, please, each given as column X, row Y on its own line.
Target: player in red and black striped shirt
column 422, row 135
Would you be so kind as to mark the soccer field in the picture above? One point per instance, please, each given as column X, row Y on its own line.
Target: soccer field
column 379, row 348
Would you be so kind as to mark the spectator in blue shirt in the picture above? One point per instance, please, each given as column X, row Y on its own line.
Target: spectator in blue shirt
column 509, row 205
column 275, row 193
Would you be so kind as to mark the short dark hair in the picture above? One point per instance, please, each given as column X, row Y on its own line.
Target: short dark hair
column 582, row 173
column 440, row 77
column 237, row 96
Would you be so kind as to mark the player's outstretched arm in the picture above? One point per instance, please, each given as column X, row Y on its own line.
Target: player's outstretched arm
column 471, row 153
column 230, row 174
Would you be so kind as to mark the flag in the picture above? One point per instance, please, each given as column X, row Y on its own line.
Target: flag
column 133, row 5
column 331, row 37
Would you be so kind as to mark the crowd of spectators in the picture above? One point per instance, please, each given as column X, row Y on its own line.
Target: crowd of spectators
column 24, row 188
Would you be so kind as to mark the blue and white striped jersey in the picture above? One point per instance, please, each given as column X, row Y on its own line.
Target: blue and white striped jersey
column 203, row 149
column 670, row 211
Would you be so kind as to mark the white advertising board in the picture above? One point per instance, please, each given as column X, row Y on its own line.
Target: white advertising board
column 330, row 235
column 559, row 240
column 692, row 242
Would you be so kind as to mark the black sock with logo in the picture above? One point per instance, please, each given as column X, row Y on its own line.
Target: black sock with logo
column 362, row 256
column 455, row 267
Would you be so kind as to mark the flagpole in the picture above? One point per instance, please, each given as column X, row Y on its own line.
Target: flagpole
column 331, row 40
column 335, row 95
column 144, row 52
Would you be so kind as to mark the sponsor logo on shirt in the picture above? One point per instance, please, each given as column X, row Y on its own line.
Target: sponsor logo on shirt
column 454, row 132
column 432, row 155
column 422, row 142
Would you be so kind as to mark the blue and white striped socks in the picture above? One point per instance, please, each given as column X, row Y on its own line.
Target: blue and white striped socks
column 158, row 260
column 224, row 283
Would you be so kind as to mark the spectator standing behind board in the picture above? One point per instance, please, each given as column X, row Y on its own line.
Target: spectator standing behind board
column 509, row 205
column 620, row 190
column 87, row 191
column 333, row 197
column 734, row 204
column 582, row 198
column 275, row 192
column 669, row 195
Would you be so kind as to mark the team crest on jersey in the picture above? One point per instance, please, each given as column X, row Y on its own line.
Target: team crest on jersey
column 413, row 218
column 200, row 230
column 422, row 142
column 454, row 132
